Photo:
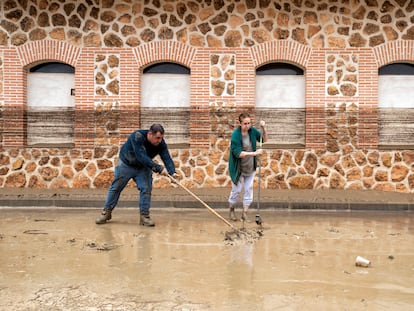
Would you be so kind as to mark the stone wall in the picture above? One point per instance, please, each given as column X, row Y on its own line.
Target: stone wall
column 339, row 44
column 281, row 169
column 208, row 23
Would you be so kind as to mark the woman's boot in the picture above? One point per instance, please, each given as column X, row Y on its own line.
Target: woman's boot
column 232, row 214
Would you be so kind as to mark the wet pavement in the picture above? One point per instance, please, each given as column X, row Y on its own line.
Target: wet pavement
column 58, row 259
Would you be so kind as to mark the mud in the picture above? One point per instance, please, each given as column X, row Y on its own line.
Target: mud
column 243, row 235
column 58, row 259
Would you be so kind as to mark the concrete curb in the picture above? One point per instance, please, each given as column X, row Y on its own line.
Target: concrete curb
column 216, row 198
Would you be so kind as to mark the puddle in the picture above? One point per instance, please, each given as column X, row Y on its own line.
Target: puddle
column 58, row 259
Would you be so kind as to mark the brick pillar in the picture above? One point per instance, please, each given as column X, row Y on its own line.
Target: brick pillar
column 84, row 109
column 368, row 100
column 15, row 80
column 315, row 101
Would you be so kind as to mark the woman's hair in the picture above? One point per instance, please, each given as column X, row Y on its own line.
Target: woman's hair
column 243, row 115
column 155, row 128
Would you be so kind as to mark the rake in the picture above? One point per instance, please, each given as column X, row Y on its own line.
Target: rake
column 203, row 203
column 258, row 218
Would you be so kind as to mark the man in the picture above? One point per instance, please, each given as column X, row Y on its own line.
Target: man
column 243, row 162
column 135, row 161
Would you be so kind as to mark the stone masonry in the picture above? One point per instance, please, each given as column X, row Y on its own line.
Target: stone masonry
column 340, row 44
column 209, row 23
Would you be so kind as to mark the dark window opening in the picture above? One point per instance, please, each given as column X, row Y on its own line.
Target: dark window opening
column 167, row 68
column 279, row 69
column 53, row 67
column 397, row 69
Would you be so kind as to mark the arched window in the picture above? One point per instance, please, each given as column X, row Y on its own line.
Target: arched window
column 396, row 106
column 50, row 105
column 280, row 100
column 165, row 99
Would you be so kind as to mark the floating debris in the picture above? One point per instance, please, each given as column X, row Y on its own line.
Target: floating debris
column 334, row 230
column 49, row 220
column 362, row 262
column 102, row 247
column 33, row 231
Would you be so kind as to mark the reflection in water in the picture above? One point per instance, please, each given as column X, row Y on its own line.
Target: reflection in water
column 242, row 254
column 239, row 273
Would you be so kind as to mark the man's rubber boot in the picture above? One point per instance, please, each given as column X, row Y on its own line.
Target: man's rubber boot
column 232, row 214
column 145, row 220
column 105, row 216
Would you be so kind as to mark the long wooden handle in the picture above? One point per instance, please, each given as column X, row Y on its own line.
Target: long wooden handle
column 202, row 202
column 259, row 163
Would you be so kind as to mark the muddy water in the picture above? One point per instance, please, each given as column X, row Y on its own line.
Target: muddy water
column 61, row 260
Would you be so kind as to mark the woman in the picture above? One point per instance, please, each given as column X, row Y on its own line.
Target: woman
column 243, row 162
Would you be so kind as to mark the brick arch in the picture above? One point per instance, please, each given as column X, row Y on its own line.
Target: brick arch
column 395, row 51
column 164, row 51
column 295, row 54
column 49, row 50
column 280, row 50
column 172, row 52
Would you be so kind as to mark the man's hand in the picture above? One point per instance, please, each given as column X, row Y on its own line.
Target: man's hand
column 164, row 172
column 264, row 132
column 259, row 152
